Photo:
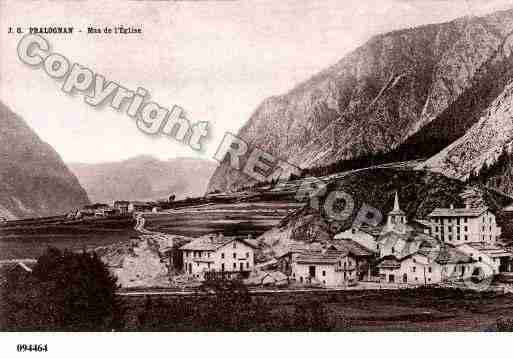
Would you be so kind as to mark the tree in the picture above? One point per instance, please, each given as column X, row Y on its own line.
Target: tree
column 65, row 291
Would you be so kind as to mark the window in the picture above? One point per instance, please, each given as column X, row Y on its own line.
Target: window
column 247, row 264
column 234, row 265
column 247, row 254
column 436, row 229
column 234, row 255
column 199, row 254
column 393, row 250
column 429, row 269
column 450, row 237
column 480, row 259
column 466, row 229
column 222, row 255
column 413, row 269
column 466, row 237
column 234, row 245
column 324, row 273
column 458, row 238
column 465, row 220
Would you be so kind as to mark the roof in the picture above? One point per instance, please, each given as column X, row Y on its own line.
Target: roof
column 121, row 202
column 298, row 248
column 326, row 257
column 423, row 222
column 352, row 247
column 389, row 262
column 372, row 230
column 212, row 243
column 451, row 255
column 490, row 250
column 138, row 203
column 458, row 212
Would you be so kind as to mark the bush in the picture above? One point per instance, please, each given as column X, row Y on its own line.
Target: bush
column 65, row 292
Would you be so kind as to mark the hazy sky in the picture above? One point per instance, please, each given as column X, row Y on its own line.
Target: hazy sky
column 217, row 60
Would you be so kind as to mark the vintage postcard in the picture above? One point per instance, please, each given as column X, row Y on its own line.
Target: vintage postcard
column 268, row 166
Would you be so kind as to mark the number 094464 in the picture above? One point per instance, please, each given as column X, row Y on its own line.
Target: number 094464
column 32, row 348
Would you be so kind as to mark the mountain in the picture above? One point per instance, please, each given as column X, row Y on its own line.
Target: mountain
column 420, row 88
column 144, row 178
column 34, row 182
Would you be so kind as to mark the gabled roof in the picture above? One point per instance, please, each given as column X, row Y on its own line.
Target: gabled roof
column 389, row 262
column 326, row 257
column 458, row 212
column 352, row 247
column 298, row 248
column 212, row 243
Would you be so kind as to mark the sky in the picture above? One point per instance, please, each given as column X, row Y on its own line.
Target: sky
column 218, row 60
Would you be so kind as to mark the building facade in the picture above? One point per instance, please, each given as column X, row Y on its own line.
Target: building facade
column 329, row 268
column 464, row 225
column 211, row 254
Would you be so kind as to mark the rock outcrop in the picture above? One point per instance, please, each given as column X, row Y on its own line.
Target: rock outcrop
column 34, row 182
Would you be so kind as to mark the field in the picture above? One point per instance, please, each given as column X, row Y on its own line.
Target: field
column 423, row 309
column 29, row 238
column 244, row 218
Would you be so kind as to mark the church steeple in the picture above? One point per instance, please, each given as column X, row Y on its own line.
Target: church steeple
column 396, row 203
column 396, row 216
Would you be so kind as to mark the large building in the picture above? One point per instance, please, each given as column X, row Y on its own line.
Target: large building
column 208, row 255
column 329, row 268
column 464, row 225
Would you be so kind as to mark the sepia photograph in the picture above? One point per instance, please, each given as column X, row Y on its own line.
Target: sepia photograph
column 232, row 166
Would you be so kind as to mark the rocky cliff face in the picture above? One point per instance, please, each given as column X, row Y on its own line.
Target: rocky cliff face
column 384, row 93
column 33, row 179
column 144, row 178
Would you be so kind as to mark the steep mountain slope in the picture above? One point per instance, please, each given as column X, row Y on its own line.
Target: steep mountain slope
column 382, row 94
column 33, row 179
column 144, row 178
column 482, row 145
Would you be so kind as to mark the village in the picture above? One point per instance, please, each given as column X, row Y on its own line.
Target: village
column 450, row 247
